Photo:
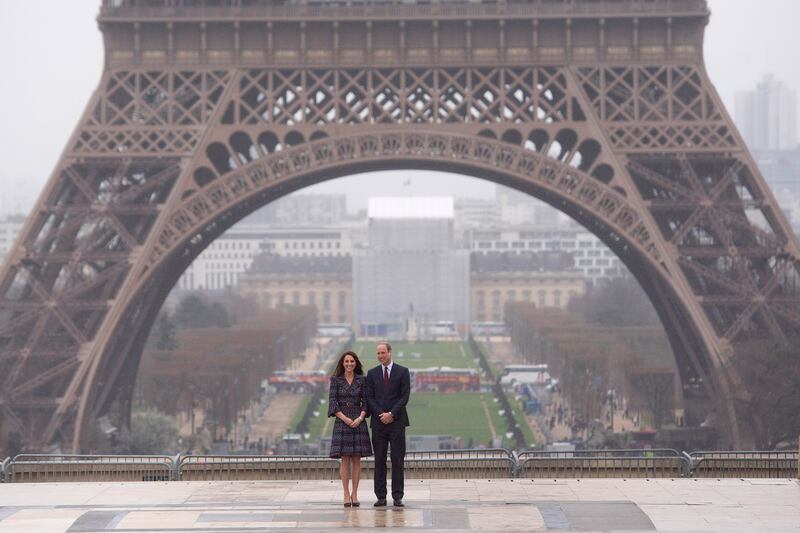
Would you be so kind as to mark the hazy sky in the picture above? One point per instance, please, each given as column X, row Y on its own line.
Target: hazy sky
column 51, row 60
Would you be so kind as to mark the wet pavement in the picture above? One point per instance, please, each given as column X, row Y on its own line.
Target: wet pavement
column 437, row 505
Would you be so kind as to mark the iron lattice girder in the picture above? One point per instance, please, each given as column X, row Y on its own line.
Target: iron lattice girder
column 168, row 155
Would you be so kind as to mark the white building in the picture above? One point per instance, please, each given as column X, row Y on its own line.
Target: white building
column 315, row 210
column 221, row 264
column 767, row 116
column 10, row 227
column 592, row 257
column 476, row 213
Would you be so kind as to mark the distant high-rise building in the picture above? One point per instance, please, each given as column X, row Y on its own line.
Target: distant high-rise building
column 767, row 116
column 9, row 229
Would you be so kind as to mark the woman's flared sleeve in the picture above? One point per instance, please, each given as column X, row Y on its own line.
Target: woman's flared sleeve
column 333, row 396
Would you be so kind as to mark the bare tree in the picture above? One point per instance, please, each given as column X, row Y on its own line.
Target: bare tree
column 654, row 390
column 771, row 373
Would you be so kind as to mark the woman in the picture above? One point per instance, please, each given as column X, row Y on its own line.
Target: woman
column 347, row 401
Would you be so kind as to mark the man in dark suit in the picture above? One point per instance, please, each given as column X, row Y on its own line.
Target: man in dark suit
column 388, row 389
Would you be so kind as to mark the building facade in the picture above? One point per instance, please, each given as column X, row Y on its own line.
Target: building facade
column 326, row 283
column 591, row 257
column 316, row 210
column 222, row 264
column 545, row 279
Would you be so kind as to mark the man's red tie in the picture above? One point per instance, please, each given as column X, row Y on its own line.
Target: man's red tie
column 385, row 376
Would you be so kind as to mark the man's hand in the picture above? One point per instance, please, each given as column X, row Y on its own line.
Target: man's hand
column 386, row 418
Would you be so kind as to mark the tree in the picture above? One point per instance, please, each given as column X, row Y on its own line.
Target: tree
column 619, row 302
column 194, row 312
column 164, row 333
column 654, row 390
column 771, row 371
column 151, row 432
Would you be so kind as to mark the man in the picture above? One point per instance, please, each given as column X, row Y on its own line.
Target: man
column 388, row 389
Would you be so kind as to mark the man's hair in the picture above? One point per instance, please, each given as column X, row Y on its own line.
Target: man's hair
column 388, row 346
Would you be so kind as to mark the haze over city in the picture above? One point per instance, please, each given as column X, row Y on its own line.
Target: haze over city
column 256, row 257
column 53, row 78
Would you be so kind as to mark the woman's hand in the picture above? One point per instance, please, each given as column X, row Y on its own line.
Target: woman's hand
column 356, row 422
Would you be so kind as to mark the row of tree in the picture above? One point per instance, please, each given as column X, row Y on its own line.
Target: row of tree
column 207, row 358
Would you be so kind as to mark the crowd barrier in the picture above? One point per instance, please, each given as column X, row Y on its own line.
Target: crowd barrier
column 443, row 464
column 660, row 463
column 745, row 464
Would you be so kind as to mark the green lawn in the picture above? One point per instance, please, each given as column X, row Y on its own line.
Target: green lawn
column 459, row 414
column 317, row 423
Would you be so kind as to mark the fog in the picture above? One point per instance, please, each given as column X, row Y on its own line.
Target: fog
column 51, row 61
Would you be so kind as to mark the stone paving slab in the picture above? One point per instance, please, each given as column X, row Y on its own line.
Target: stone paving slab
column 432, row 505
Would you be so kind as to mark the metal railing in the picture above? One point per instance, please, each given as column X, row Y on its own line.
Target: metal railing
column 452, row 464
column 442, row 464
column 659, row 463
column 270, row 467
column 745, row 464
column 40, row 468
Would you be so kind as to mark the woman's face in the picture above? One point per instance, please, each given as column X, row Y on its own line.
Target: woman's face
column 349, row 363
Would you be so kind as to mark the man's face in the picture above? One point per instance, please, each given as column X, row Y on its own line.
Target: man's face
column 384, row 355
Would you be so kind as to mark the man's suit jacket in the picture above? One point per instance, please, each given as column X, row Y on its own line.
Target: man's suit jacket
column 392, row 399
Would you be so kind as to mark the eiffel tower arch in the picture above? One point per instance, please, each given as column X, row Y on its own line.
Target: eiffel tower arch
column 209, row 109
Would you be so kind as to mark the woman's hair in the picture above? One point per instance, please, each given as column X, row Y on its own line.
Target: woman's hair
column 339, row 370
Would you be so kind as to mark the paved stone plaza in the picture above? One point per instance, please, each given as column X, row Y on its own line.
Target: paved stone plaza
column 509, row 505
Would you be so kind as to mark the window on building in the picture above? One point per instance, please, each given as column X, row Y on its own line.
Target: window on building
column 542, row 297
column 573, row 294
column 326, row 301
column 496, row 299
column 526, row 295
column 296, row 298
column 557, row 298
column 511, row 295
column 342, row 297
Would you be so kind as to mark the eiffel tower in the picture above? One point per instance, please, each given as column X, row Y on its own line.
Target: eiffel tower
column 210, row 109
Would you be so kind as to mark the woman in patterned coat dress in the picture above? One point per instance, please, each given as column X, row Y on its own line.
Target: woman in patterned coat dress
column 347, row 401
